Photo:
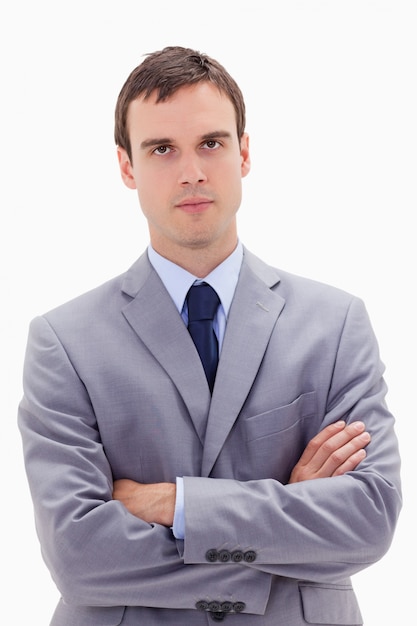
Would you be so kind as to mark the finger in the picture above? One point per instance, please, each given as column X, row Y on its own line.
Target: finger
column 330, row 450
column 333, row 446
column 351, row 463
column 317, row 442
column 340, row 455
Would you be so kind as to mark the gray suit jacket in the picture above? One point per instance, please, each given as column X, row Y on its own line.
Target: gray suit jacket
column 114, row 388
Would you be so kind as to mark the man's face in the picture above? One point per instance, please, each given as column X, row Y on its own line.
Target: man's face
column 187, row 165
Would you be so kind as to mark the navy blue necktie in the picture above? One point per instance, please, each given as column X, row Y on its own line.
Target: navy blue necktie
column 202, row 303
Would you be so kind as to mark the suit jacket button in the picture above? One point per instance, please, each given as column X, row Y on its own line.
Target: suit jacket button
column 224, row 556
column 211, row 555
column 201, row 605
column 214, row 606
column 218, row 616
column 250, row 556
column 238, row 607
column 227, row 607
column 237, row 556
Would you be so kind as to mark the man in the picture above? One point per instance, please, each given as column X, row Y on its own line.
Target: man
column 172, row 490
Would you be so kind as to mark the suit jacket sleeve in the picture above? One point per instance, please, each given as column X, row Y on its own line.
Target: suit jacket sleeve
column 98, row 553
column 321, row 529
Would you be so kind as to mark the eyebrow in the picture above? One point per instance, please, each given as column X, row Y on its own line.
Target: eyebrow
column 162, row 141
column 148, row 143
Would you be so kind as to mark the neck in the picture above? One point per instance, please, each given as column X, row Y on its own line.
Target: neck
column 198, row 261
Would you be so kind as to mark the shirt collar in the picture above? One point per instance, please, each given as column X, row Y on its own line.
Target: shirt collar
column 178, row 281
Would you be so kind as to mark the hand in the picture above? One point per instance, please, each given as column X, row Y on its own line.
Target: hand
column 337, row 449
column 153, row 503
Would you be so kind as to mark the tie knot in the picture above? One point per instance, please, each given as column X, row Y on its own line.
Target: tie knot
column 202, row 302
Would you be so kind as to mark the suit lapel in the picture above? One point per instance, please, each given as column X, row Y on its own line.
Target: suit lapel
column 252, row 317
column 253, row 314
column 155, row 319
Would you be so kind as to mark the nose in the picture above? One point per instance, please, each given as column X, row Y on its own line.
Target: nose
column 191, row 170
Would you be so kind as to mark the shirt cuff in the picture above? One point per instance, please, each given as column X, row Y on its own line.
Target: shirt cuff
column 179, row 519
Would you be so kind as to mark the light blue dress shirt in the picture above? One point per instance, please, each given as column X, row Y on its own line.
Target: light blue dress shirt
column 177, row 282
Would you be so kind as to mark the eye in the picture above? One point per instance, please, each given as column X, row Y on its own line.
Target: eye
column 211, row 144
column 162, row 150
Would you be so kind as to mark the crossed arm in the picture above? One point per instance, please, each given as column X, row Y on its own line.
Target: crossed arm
column 337, row 449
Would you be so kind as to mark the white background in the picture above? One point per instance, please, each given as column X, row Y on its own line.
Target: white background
column 330, row 92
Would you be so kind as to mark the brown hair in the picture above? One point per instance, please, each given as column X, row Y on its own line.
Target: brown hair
column 165, row 72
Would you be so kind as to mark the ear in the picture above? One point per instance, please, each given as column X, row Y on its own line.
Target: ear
column 126, row 168
column 244, row 153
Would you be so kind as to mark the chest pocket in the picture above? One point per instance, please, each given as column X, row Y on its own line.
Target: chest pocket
column 274, row 440
column 281, row 418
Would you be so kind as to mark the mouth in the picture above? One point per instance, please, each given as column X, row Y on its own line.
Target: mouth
column 194, row 205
